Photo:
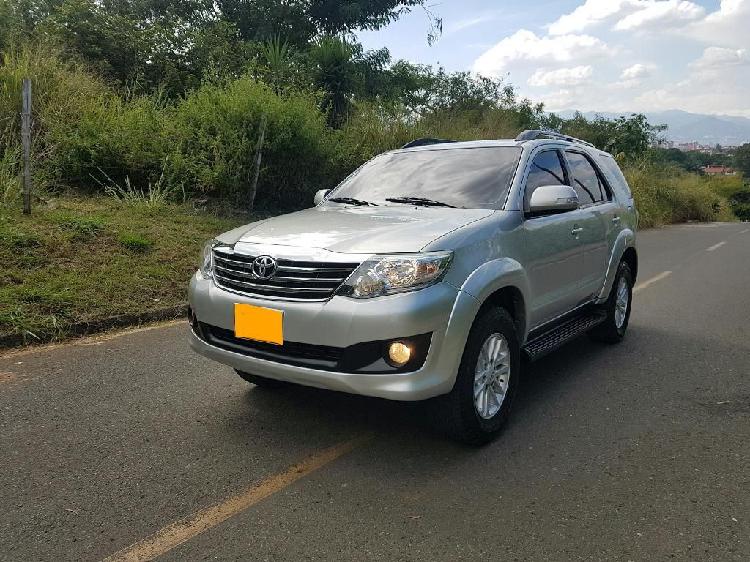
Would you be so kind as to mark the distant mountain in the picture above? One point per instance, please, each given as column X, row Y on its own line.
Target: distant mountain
column 688, row 127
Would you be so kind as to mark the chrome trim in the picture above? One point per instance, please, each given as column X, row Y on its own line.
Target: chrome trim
column 233, row 271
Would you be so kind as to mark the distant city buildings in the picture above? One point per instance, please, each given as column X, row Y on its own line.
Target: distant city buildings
column 695, row 147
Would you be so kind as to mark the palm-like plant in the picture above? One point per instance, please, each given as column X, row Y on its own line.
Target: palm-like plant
column 336, row 75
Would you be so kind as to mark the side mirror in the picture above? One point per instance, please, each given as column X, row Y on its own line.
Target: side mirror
column 320, row 195
column 552, row 199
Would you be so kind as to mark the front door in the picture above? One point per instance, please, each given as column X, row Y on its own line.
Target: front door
column 553, row 248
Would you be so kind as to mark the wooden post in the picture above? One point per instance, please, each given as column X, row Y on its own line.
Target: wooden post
column 26, row 141
column 259, row 146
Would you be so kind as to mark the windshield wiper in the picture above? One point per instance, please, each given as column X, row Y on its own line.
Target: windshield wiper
column 352, row 201
column 419, row 201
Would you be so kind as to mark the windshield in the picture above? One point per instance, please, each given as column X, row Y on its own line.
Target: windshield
column 470, row 178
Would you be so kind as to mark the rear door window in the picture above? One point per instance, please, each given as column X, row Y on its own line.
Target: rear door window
column 585, row 179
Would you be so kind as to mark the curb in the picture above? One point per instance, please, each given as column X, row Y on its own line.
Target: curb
column 89, row 327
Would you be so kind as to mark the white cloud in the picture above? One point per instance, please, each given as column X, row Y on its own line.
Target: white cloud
column 588, row 14
column 637, row 71
column 561, row 77
column 667, row 13
column 628, row 14
column 714, row 57
column 622, row 43
column 728, row 26
column 526, row 46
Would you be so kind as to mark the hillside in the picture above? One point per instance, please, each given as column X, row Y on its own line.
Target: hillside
column 683, row 126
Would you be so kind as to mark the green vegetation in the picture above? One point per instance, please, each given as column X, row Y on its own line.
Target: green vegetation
column 668, row 194
column 146, row 109
column 83, row 259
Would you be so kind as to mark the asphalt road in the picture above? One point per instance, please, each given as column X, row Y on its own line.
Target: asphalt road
column 639, row 451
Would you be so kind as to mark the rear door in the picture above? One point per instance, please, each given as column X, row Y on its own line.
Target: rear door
column 597, row 219
column 553, row 250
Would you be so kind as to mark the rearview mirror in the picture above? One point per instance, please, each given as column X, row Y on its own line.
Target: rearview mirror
column 551, row 199
column 320, row 195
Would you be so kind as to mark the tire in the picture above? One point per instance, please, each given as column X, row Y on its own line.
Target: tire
column 262, row 382
column 613, row 329
column 460, row 413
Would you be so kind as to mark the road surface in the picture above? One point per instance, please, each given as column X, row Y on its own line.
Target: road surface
column 130, row 446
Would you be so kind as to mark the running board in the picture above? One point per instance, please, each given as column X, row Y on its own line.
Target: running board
column 561, row 334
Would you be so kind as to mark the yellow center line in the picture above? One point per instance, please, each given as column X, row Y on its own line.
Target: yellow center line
column 651, row 281
column 179, row 532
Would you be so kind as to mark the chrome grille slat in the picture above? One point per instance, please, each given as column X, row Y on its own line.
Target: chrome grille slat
column 314, row 269
column 294, row 280
column 280, row 279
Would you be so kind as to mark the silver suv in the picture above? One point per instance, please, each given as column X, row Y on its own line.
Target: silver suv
column 428, row 273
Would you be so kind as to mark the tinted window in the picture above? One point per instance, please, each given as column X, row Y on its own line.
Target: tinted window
column 585, row 180
column 614, row 175
column 546, row 169
column 472, row 178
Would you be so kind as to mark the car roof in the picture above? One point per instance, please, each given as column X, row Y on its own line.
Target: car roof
column 527, row 144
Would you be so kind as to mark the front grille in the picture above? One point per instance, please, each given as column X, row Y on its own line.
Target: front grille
column 295, row 280
column 321, row 357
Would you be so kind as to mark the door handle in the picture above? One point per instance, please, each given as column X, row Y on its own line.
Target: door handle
column 616, row 220
column 576, row 231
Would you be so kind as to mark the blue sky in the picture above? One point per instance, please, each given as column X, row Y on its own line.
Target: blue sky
column 602, row 55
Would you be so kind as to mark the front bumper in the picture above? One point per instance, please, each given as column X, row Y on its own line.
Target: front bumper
column 442, row 310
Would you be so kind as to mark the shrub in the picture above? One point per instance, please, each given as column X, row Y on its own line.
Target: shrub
column 81, row 228
column 135, row 242
column 667, row 194
column 214, row 131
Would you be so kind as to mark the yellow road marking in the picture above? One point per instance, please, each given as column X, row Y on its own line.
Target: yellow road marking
column 651, row 281
column 183, row 530
column 715, row 246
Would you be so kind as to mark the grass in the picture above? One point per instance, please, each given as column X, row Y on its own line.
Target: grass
column 85, row 259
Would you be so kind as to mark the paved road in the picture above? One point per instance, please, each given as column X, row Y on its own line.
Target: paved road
column 634, row 452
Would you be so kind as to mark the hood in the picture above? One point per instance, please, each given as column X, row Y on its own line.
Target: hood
column 360, row 229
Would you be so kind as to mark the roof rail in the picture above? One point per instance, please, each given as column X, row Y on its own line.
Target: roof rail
column 534, row 134
column 425, row 142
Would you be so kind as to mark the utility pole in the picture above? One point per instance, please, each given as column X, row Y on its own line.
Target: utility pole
column 26, row 141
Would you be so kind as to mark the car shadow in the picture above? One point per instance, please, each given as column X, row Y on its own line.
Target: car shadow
column 298, row 412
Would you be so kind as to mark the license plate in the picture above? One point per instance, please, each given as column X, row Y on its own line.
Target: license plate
column 258, row 323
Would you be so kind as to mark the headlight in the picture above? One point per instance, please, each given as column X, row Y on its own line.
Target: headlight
column 207, row 259
column 385, row 275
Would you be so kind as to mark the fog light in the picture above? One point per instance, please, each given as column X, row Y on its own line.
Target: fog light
column 399, row 353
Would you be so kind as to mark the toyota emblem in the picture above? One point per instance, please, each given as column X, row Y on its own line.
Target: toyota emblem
column 264, row 267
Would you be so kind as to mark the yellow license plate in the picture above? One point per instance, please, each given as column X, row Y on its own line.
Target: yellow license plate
column 257, row 323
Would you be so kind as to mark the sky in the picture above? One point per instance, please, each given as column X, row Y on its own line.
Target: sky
column 591, row 55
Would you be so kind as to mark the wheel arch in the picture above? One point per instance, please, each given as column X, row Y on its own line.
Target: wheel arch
column 630, row 256
column 622, row 249
column 512, row 300
column 501, row 282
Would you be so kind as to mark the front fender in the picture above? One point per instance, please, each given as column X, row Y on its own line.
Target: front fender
column 492, row 276
column 625, row 240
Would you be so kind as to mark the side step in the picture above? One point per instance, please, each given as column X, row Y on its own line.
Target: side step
column 561, row 334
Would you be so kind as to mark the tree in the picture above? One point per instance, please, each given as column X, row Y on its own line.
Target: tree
column 742, row 160
column 299, row 22
column 628, row 136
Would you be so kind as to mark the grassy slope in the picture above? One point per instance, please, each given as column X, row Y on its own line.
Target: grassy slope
column 86, row 259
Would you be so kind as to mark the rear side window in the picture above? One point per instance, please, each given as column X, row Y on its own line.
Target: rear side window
column 585, row 179
column 546, row 169
column 614, row 175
